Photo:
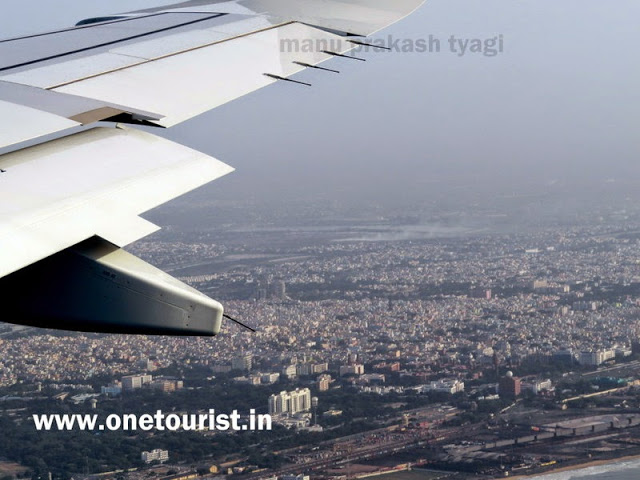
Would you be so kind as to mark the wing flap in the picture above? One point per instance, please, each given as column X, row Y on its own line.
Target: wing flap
column 94, row 183
column 126, row 229
column 28, row 112
column 182, row 86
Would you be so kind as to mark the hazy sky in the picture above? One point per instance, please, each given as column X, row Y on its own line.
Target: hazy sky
column 561, row 102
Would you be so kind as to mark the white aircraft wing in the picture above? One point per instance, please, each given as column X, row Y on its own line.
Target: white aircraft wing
column 72, row 189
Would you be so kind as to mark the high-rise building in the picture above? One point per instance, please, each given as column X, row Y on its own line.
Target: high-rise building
column 309, row 368
column 271, row 290
column 300, row 400
column 351, row 370
column 319, row 367
column 292, row 402
column 132, row 382
column 278, row 403
column 509, row 386
column 279, row 290
column 323, row 383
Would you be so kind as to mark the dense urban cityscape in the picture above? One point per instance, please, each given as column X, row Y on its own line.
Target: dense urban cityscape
column 323, row 239
column 465, row 352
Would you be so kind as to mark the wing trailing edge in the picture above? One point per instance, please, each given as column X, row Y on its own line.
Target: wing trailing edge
column 94, row 183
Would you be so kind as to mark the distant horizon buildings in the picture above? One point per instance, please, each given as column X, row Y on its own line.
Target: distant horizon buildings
column 266, row 290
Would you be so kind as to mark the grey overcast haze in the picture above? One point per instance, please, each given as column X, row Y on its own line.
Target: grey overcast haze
column 558, row 108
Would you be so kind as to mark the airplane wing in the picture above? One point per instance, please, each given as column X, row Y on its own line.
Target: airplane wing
column 75, row 173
